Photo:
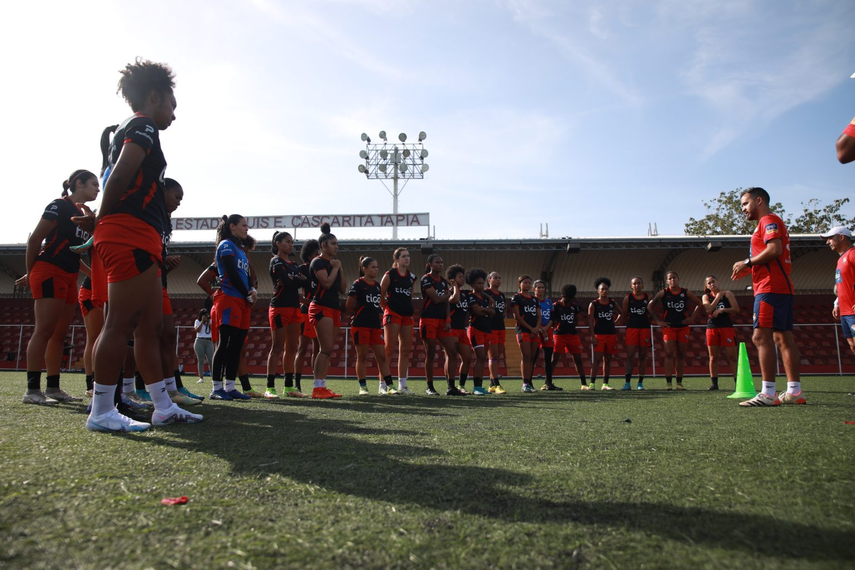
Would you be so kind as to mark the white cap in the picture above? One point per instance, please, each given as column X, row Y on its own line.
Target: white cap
column 838, row 231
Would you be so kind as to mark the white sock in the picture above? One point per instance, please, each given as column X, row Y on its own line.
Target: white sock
column 127, row 385
column 383, row 384
column 159, row 395
column 320, row 383
column 170, row 384
column 218, row 384
column 769, row 389
column 794, row 387
column 402, row 383
column 103, row 398
column 230, row 384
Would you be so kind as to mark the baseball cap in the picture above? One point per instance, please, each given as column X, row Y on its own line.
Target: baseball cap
column 838, row 231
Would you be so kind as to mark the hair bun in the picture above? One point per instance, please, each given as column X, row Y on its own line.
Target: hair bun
column 325, row 228
column 66, row 185
column 225, row 218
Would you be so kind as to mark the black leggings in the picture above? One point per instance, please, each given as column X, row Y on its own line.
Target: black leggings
column 227, row 355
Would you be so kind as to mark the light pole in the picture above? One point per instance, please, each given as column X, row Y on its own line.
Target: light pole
column 398, row 161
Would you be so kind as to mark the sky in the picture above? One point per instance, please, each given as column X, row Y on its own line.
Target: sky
column 597, row 118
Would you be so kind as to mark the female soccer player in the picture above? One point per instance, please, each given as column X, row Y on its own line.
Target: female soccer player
column 497, row 337
column 637, row 331
column 325, row 309
column 284, row 312
column 565, row 314
column 459, row 303
column 93, row 321
column 308, row 336
column 674, row 324
column 203, row 345
column 719, row 305
column 480, row 328
column 526, row 310
column 396, row 298
column 545, row 342
column 604, row 314
column 363, row 302
column 52, row 271
column 434, row 323
column 232, row 307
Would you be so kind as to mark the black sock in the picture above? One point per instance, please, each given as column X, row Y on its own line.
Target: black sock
column 139, row 383
column 178, row 383
column 450, row 382
column 667, row 379
column 463, row 377
column 362, row 382
column 244, row 383
column 90, row 381
column 640, row 379
column 478, row 382
column 388, row 380
column 289, row 379
column 430, row 385
column 628, row 378
column 493, row 382
column 271, row 380
column 547, row 364
column 52, row 381
column 679, row 379
column 34, row 380
column 714, row 380
column 297, row 377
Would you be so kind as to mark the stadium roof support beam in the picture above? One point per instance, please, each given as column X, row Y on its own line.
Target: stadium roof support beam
column 659, row 274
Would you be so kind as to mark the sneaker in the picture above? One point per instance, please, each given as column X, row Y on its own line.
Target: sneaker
column 528, row 389
column 640, row 386
column 61, row 396
column 713, row 387
column 387, row 391
column 761, row 400
column 668, row 387
column 143, row 394
column 39, row 398
column 606, row 387
column 405, row 391
column 787, row 398
column 129, row 412
column 497, row 389
column 114, row 421
column 626, row 387
column 238, row 395
column 363, row 390
column 134, row 405
column 454, row 391
column 679, row 387
column 220, row 394
column 492, row 389
column 585, row 387
column 480, row 391
column 324, row 394
column 292, row 392
column 431, row 392
column 136, row 401
column 189, row 394
column 174, row 415
column 271, row 394
column 253, row 394
column 463, row 391
column 89, row 393
column 200, row 380
column 181, row 399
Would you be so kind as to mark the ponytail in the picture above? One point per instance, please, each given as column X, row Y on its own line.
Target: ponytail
column 430, row 259
column 326, row 235
column 81, row 175
column 277, row 237
column 364, row 261
column 105, row 146
column 223, row 229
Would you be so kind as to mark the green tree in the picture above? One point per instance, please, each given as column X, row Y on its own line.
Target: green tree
column 816, row 219
column 725, row 217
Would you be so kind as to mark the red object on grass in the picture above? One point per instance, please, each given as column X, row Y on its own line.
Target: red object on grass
column 174, row 501
column 849, row 423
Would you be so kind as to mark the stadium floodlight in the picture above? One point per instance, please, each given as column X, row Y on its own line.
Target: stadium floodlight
column 422, row 136
column 365, row 138
column 714, row 246
column 403, row 167
column 362, row 169
column 424, row 154
column 402, row 137
column 383, row 168
column 384, row 154
column 363, row 154
column 425, row 168
column 406, row 153
column 383, row 136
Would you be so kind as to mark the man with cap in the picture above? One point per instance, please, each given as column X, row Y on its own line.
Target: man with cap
column 839, row 239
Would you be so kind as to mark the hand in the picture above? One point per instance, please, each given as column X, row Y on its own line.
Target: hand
column 594, row 341
column 252, row 297
column 663, row 324
column 86, row 222
column 335, row 263
column 24, row 281
column 835, row 312
column 740, row 270
column 172, row 261
column 448, row 325
column 716, row 313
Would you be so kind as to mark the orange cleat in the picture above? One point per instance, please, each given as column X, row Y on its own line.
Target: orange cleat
column 324, row 394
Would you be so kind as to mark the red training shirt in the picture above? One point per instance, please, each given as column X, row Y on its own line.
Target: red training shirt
column 772, row 277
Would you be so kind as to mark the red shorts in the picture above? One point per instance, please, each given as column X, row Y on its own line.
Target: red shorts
column 127, row 246
column 681, row 335
column 721, row 337
column 498, row 337
column 47, row 281
column 462, row 336
column 318, row 312
column 84, row 298
column 478, row 338
column 215, row 326
column 568, row 344
column 167, row 304
column 606, row 343
column 638, row 337
column 281, row 317
column 99, row 279
column 306, row 329
column 231, row 311
column 433, row 328
column 545, row 340
column 366, row 336
column 527, row 337
column 390, row 317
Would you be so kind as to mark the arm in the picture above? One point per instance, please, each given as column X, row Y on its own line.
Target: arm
column 85, row 270
column 774, row 249
column 326, row 278
column 651, row 306
column 384, row 290
column 624, row 307
column 430, row 293
column 734, row 304
column 593, row 320
column 230, row 265
column 130, row 160
column 455, row 295
column 198, row 325
column 350, row 304
column 204, row 281
column 34, row 244
column 619, row 312
column 710, row 304
column 846, row 146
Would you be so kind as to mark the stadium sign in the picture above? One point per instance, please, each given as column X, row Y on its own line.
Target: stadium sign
column 310, row 221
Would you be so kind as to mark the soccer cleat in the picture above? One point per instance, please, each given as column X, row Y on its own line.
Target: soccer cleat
column 129, row 412
column 585, row 387
column 480, row 391
column 431, row 392
column 292, row 392
column 499, row 390
column 114, row 421
column 200, row 380
column 668, row 386
column 61, row 396
column 190, row 394
column 89, row 393
column 606, row 387
column 136, row 401
column 492, row 389
column 384, row 390
column 181, row 399
column 271, row 394
column 454, row 391
column 463, row 390
column 761, row 400
column 39, row 398
column 626, row 387
column 174, row 415
column 219, row 395
column 253, row 394
column 324, row 394
column 640, row 386
column 528, row 389
column 405, row 391
column 238, row 395
column 363, row 390
column 143, row 394
column 134, row 405
column 796, row 399
column 679, row 387
column 713, row 387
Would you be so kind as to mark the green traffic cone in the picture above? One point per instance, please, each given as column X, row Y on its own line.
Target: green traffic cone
column 744, row 380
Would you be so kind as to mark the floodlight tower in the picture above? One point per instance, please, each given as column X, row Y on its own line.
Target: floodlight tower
column 396, row 161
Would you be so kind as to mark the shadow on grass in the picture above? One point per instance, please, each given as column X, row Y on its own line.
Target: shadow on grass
column 323, row 452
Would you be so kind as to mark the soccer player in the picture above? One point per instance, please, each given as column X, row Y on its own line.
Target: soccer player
column 284, row 312
column 93, row 321
column 435, row 322
column 565, row 315
column 719, row 305
column 526, row 311
column 545, row 342
column 328, row 282
column 363, row 302
column 604, row 313
column 769, row 264
column 52, row 271
column 839, row 239
column 846, row 143
column 396, row 298
column 498, row 336
column 637, row 331
column 308, row 336
column 460, row 315
column 480, row 328
column 675, row 325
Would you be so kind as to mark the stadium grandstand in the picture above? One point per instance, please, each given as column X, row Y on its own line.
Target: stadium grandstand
column 556, row 261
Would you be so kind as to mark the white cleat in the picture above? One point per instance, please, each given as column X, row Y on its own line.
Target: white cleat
column 114, row 421
column 39, row 399
column 174, row 415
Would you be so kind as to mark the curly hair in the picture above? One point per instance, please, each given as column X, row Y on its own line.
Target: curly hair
column 474, row 274
column 142, row 77
column 452, row 272
column 601, row 280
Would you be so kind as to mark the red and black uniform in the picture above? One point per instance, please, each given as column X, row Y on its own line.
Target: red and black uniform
column 480, row 327
column 528, row 306
column 84, row 298
column 434, row 316
column 460, row 317
column 285, row 303
column 675, row 313
column 54, row 274
column 306, row 329
column 366, row 326
column 565, row 317
column 166, row 236
column 773, row 289
column 497, row 321
column 325, row 302
column 399, row 298
column 720, row 330
column 128, row 239
column 604, row 326
column 638, row 323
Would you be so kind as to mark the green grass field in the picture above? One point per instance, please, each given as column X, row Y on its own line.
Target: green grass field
column 548, row 480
